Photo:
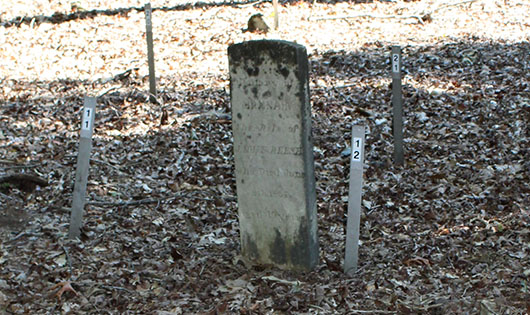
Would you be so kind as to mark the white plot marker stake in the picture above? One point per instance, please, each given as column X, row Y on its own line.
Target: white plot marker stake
column 397, row 105
column 150, row 51
column 354, row 200
column 81, row 175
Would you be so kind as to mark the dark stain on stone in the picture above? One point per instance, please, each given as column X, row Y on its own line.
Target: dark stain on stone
column 301, row 252
column 252, row 71
column 239, row 116
column 267, row 94
column 278, row 250
column 284, row 71
column 255, row 91
column 304, row 251
column 251, row 248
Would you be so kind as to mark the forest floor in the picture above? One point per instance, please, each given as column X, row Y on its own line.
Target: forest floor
column 448, row 232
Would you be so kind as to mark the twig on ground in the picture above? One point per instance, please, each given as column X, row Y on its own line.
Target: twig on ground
column 420, row 17
column 17, row 166
column 21, row 234
column 23, row 181
column 371, row 312
column 65, row 287
column 125, row 203
column 158, row 201
column 107, row 164
column 69, row 261
column 109, row 90
column 111, row 288
column 6, row 196
column 7, row 161
column 446, row 5
column 250, row 4
column 403, row 17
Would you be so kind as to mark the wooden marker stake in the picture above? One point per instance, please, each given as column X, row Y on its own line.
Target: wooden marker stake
column 354, row 200
column 397, row 104
column 150, row 52
column 81, row 175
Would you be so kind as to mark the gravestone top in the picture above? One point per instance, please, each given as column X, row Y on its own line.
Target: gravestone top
column 273, row 153
column 254, row 51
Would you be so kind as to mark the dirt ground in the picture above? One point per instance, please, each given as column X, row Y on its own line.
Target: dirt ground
column 448, row 232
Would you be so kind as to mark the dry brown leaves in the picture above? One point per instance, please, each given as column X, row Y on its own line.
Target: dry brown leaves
column 448, row 232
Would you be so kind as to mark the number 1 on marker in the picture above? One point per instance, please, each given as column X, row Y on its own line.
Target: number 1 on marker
column 356, row 150
column 87, row 119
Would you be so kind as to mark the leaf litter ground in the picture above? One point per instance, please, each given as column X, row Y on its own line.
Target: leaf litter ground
column 447, row 232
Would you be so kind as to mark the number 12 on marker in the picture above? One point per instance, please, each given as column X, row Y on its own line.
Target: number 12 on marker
column 357, row 147
column 395, row 63
column 87, row 119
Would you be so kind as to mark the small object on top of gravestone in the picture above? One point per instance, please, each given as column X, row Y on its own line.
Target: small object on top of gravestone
column 273, row 153
column 76, row 7
column 256, row 24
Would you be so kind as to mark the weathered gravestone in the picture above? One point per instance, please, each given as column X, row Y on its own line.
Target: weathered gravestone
column 273, row 153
